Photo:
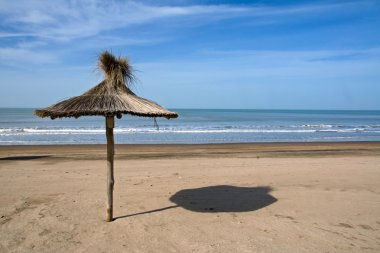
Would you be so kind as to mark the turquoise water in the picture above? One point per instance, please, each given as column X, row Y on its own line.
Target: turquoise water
column 21, row 127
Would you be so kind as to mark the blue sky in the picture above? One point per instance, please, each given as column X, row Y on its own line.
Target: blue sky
column 196, row 54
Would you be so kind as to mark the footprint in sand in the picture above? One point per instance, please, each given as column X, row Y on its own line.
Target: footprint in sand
column 366, row 227
column 345, row 225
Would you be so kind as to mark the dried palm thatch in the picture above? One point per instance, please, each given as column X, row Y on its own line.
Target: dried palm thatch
column 111, row 97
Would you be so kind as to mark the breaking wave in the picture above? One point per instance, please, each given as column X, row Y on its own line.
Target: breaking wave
column 228, row 129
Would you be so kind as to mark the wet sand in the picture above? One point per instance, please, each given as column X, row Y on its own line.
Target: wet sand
column 261, row 197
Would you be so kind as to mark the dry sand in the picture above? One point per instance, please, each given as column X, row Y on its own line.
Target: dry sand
column 300, row 197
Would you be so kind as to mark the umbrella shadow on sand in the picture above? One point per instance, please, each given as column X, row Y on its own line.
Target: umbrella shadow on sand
column 224, row 198
column 219, row 198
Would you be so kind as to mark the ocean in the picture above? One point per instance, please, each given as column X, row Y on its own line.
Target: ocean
column 21, row 127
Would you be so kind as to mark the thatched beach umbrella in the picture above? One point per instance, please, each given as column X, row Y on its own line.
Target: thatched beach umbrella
column 112, row 97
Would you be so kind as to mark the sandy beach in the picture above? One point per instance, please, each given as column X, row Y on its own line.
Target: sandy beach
column 263, row 197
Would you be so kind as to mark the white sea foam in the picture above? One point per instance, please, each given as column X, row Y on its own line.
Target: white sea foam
column 28, row 131
column 318, row 126
column 98, row 131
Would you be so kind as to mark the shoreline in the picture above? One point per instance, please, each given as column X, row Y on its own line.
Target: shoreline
column 147, row 151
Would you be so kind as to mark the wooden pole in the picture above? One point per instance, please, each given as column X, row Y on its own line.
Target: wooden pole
column 110, row 123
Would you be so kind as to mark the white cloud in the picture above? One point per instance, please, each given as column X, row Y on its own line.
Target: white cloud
column 17, row 56
column 218, row 67
column 67, row 20
column 13, row 34
column 34, row 25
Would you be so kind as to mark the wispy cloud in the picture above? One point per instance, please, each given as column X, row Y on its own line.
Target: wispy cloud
column 14, row 56
column 67, row 20
column 43, row 26
column 294, row 55
column 32, row 24
column 218, row 67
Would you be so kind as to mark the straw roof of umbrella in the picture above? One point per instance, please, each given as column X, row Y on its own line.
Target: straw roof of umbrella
column 111, row 97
